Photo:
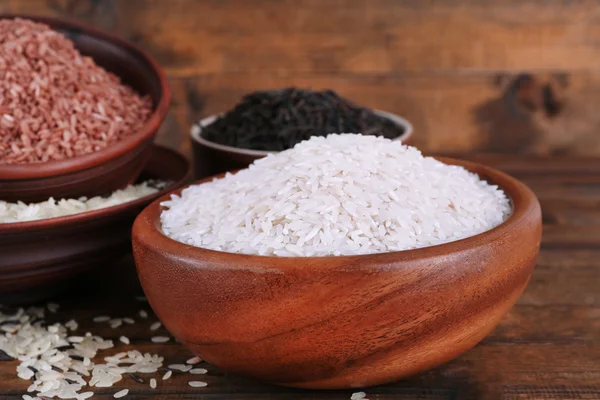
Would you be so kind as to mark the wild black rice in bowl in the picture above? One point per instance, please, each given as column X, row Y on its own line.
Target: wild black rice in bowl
column 339, row 195
column 56, row 103
column 276, row 120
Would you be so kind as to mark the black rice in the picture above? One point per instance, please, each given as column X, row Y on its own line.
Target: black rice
column 5, row 357
column 136, row 378
column 276, row 120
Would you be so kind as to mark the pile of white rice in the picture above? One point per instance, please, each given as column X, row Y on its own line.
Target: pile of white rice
column 21, row 212
column 60, row 363
column 340, row 195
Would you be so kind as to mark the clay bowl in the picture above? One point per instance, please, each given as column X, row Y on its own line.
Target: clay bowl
column 211, row 158
column 39, row 257
column 340, row 322
column 115, row 166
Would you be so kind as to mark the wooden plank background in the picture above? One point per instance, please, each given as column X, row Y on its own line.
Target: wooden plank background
column 505, row 76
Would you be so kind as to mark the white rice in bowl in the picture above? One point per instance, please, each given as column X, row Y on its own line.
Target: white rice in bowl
column 51, row 208
column 340, row 195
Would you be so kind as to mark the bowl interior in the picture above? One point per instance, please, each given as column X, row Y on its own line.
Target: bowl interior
column 523, row 201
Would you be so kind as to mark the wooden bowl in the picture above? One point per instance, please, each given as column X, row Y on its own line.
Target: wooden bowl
column 340, row 322
column 39, row 257
column 110, row 168
column 211, row 158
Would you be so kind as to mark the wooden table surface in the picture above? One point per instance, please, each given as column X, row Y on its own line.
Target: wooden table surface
column 547, row 347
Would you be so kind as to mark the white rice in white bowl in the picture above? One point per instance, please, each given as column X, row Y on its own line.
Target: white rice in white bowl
column 340, row 195
column 51, row 208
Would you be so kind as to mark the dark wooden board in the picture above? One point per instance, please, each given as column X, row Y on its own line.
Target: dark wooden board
column 546, row 348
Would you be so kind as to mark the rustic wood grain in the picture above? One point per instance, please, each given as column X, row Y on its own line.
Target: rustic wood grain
column 502, row 76
column 450, row 113
column 363, row 36
column 546, row 348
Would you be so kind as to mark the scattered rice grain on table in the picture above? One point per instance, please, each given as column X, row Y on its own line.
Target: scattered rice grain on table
column 194, row 360
column 340, row 195
column 56, row 103
column 121, row 393
column 155, row 326
column 198, row 371
column 60, row 365
column 115, row 323
column 197, row 384
column 72, row 325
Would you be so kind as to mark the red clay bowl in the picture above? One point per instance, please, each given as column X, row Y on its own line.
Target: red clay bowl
column 110, row 168
column 211, row 158
column 340, row 322
column 38, row 257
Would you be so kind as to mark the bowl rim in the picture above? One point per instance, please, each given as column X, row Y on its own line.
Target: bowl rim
column 146, row 229
column 106, row 212
column 195, row 134
column 79, row 163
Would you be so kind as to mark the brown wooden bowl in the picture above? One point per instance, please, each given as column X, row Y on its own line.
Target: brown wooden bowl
column 212, row 158
column 340, row 322
column 110, row 168
column 39, row 257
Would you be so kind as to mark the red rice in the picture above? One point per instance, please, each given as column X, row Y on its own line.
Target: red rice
column 56, row 103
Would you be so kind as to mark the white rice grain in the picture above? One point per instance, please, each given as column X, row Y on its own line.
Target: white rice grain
column 340, row 195
column 197, row 384
column 72, row 325
column 194, row 360
column 177, row 367
column 198, row 371
column 155, row 326
column 121, row 393
column 53, row 307
column 59, row 370
column 115, row 323
column 51, row 208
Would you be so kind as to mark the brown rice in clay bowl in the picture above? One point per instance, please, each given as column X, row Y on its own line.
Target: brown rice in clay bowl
column 268, row 121
column 347, row 261
column 80, row 109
